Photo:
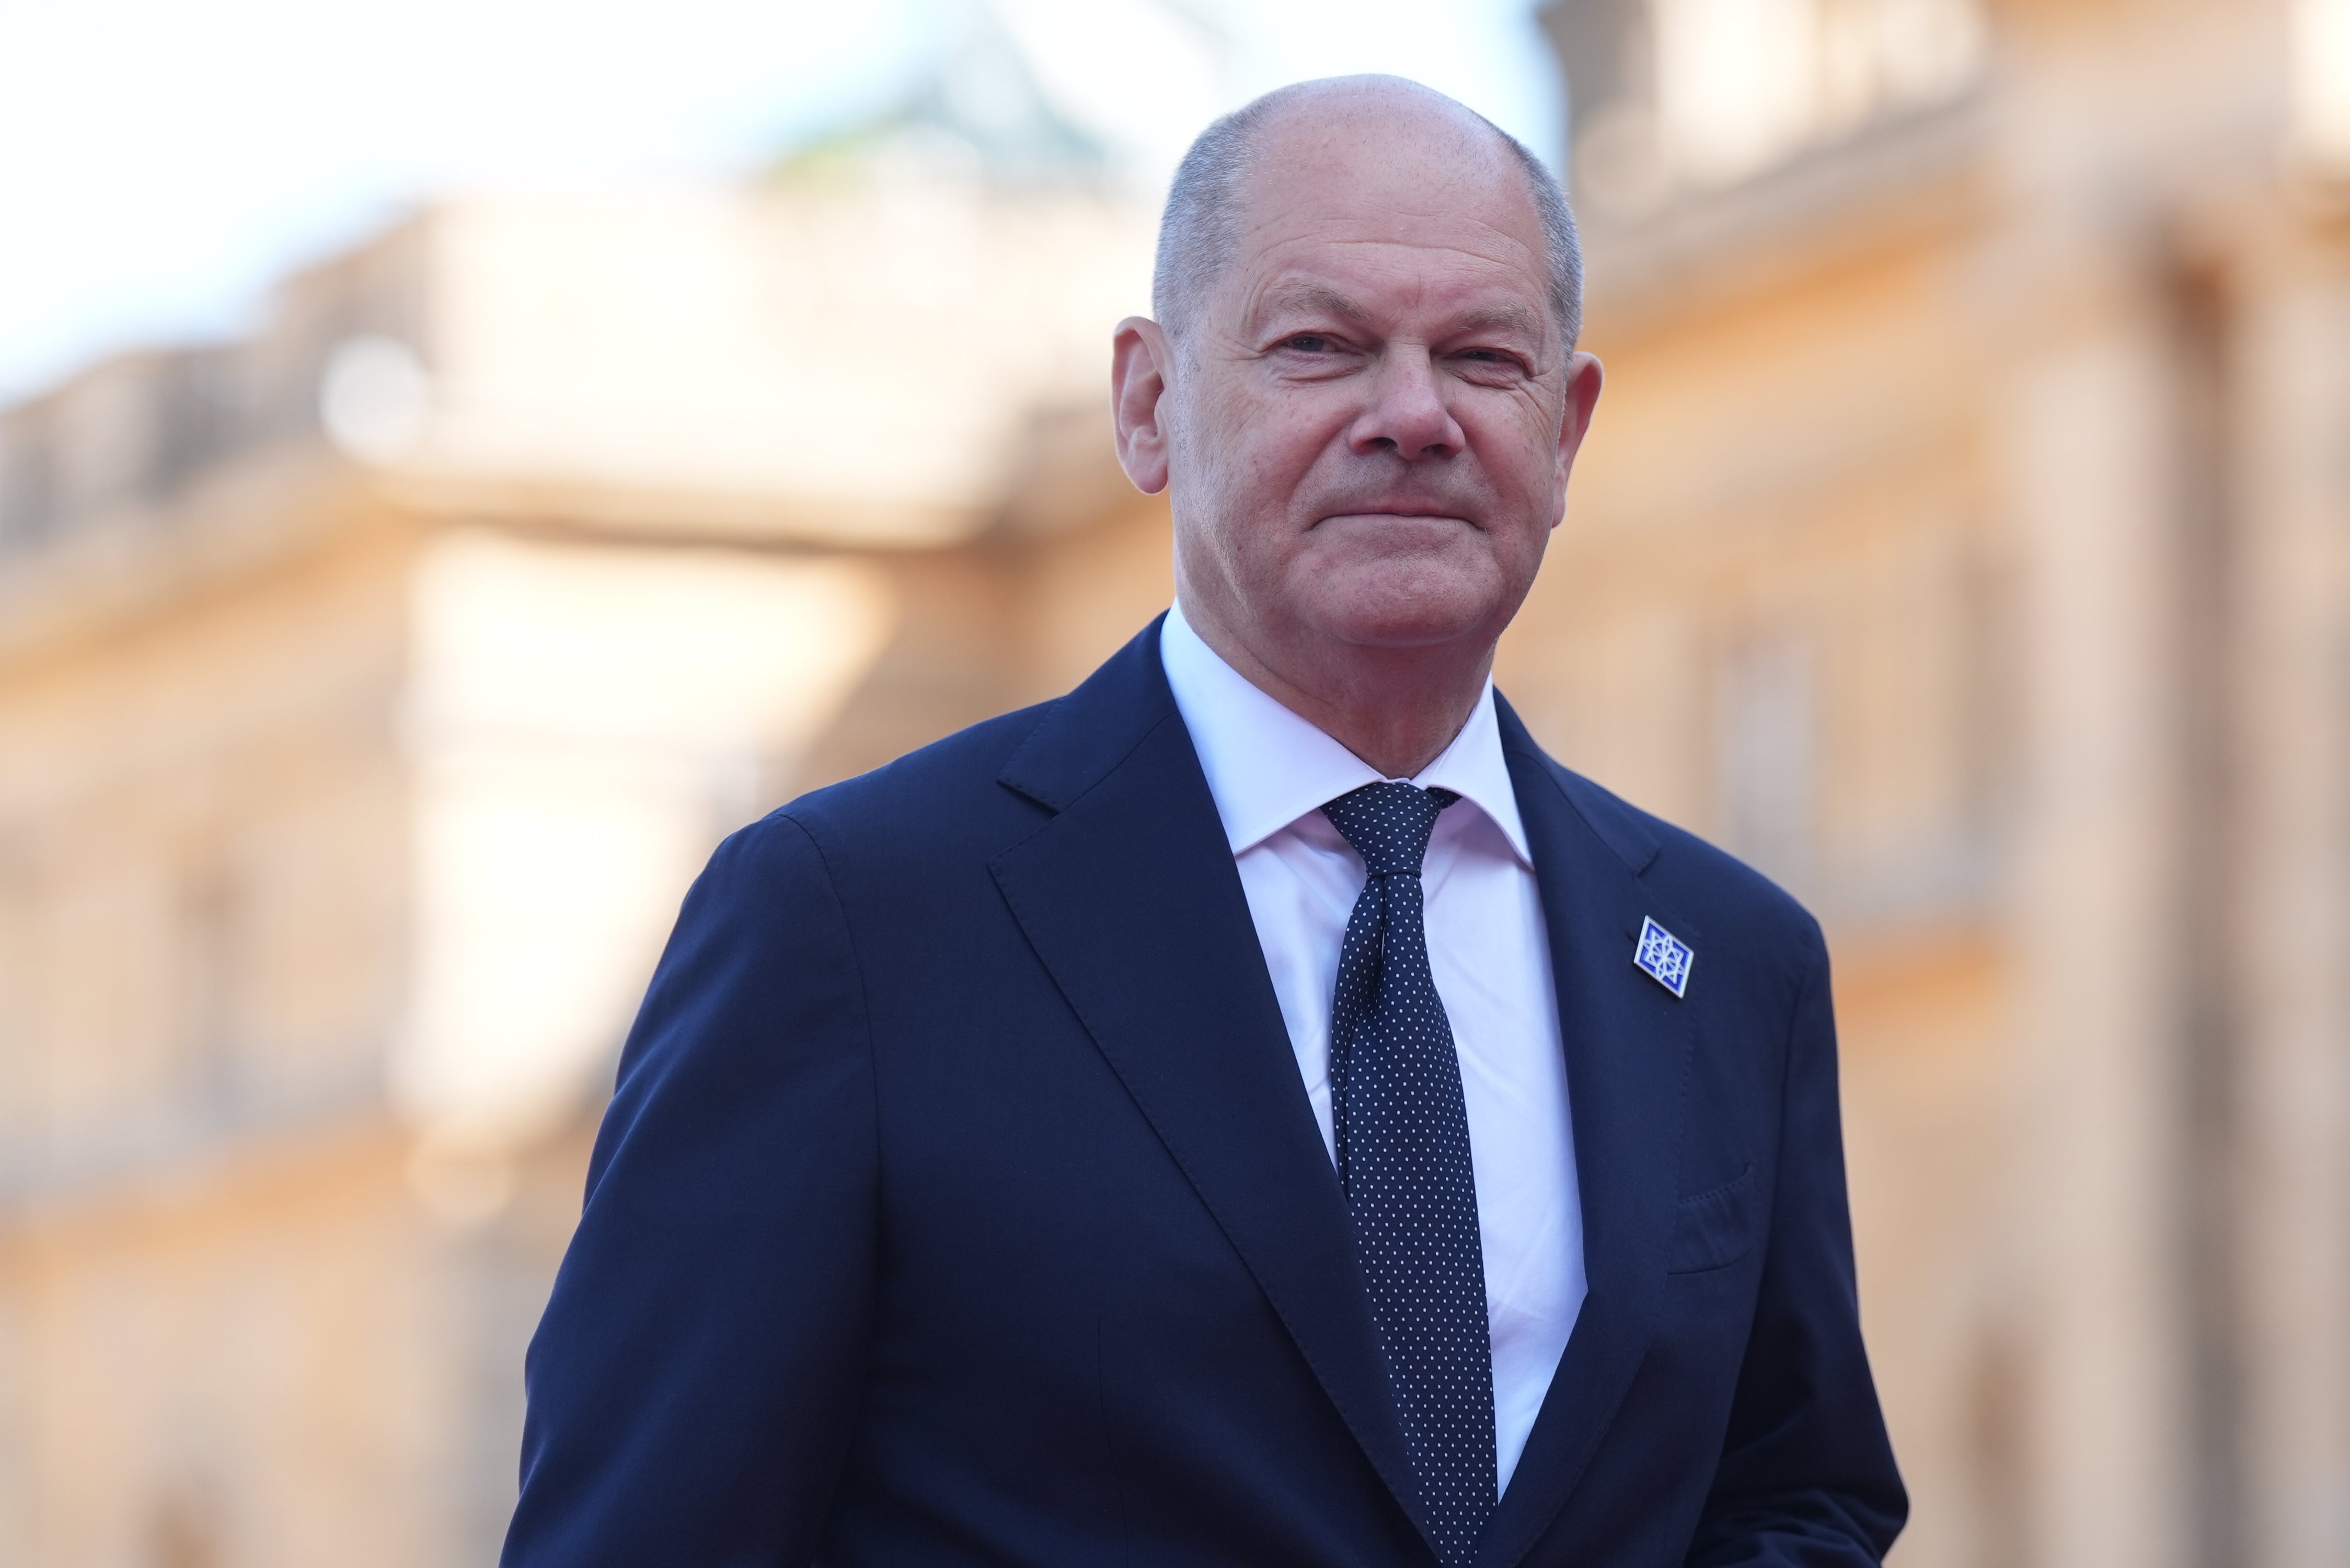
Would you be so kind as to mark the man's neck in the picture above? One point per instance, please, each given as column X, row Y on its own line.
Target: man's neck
column 1396, row 708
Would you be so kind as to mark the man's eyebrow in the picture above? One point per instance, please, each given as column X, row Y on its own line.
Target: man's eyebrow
column 1321, row 297
column 1499, row 318
column 1313, row 297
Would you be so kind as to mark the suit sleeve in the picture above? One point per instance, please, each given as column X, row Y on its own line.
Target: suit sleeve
column 695, row 1379
column 1807, row 1476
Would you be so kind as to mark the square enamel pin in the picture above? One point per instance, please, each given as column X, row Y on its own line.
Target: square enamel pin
column 1663, row 957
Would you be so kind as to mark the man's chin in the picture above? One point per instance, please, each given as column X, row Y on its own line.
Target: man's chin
column 1403, row 618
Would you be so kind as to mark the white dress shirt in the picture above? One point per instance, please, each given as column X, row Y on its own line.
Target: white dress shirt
column 1270, row 772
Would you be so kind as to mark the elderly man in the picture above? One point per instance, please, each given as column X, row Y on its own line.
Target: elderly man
column 1258, row 1108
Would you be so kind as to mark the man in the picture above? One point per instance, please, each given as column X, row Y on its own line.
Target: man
column 1258, row 1108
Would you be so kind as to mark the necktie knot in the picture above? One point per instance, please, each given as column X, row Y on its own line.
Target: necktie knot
column 1389, row 824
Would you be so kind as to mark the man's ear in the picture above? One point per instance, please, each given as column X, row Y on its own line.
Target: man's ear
column 1140, row 359
column 1582, row 381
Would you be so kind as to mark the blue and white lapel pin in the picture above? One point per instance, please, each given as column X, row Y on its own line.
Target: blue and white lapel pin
column 1663, row 957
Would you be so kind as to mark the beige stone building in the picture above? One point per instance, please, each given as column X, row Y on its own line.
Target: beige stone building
column 1962, row 538
column 1965, row 538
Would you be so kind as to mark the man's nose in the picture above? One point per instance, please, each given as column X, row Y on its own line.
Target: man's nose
column 1407, row 414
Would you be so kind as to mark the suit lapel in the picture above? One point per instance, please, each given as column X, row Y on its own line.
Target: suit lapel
column 1627, row 1043
column 1130, row 897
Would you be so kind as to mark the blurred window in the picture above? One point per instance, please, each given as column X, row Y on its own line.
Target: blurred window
column 210, row 912
column 1765, row 751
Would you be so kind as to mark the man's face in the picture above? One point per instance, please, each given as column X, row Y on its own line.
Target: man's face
column 1373, row 412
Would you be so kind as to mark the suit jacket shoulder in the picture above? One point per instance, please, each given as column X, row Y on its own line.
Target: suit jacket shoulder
column 943, row 786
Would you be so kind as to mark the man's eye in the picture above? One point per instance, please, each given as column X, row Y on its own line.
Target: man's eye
column 1307, row 343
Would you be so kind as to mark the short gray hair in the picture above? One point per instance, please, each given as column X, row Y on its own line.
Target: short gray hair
column 1195, row 232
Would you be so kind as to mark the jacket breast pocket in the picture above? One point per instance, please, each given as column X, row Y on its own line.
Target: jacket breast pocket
column 1715, row 1229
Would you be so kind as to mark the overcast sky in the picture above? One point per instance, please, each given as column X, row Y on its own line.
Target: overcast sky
column 162, row 162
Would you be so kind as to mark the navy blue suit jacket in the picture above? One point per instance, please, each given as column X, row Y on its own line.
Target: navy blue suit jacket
column 960, row 1203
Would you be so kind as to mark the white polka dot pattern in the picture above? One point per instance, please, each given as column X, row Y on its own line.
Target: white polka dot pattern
column 1402, row 1136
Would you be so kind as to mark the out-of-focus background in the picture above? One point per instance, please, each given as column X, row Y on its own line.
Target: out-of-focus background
column 459, row 460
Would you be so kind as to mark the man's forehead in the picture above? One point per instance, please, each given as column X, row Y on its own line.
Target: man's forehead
column 1333, row 254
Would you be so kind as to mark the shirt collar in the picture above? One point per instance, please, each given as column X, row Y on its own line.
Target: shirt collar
column 1266, row 767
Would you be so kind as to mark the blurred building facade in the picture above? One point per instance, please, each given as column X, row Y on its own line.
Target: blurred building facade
column 368, row 693
column 1962, row 540
column 1965, row 539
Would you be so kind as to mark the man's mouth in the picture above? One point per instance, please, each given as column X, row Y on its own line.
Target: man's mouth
column 1401, row 513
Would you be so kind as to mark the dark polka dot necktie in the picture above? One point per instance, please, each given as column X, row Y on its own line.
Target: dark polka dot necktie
column 1402, row 1137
